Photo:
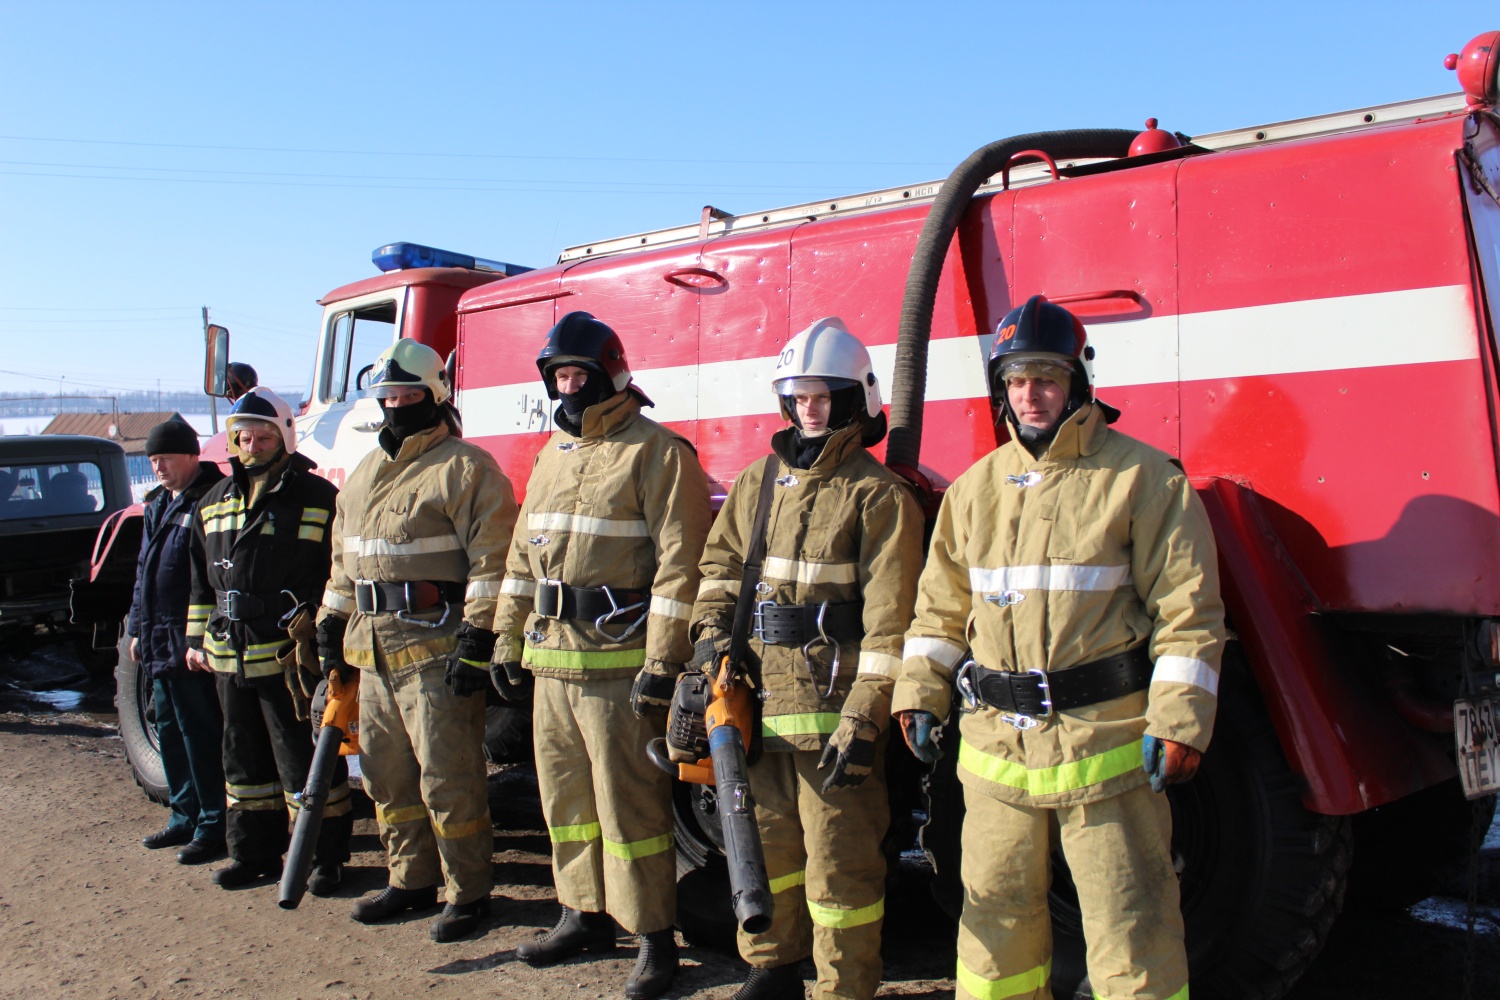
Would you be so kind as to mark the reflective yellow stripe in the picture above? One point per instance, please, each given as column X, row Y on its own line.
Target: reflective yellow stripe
column 339, row 801
column 255, row 652
column 1181, row 994
column 227, row 522
column 199, row 612
column 998, row 989
column 586, row 659
column 458, row 831
column 314, row 515
column 399, row 814
column 638, row 849
column 1051, row 780
column 806, row 724
column 307, row 533
column 255, row 805
column 255, row 797
column 574, row 833
column 786, row 882
column 843, row 919
column 252, row 791
column 228, row 506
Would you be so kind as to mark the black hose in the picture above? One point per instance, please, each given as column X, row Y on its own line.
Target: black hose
column 909, row 382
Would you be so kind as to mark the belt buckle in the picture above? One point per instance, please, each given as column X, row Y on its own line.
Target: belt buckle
column 758, row 619
column 366, row 597
column 1027, row 722
column 557, row 588
column 232, row 605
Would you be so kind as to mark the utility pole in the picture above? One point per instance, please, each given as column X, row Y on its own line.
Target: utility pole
column 213, row 402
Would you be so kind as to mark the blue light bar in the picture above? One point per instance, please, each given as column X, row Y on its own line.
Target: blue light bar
column 399, row 256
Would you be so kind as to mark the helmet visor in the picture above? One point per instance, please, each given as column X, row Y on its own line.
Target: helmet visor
column 807, row 385
column 1055, row 367
column 388, row 389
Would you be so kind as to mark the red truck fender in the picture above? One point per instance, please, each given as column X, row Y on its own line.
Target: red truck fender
column 1350, row 747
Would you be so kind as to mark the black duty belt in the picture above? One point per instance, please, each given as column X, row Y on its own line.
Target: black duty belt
column 243, row 605
column 372, row 597
column 1037, row 694
column 800, row 624
column 555, row 599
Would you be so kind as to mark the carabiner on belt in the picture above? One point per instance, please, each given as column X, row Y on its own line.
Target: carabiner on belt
column 447, row 609
column 615, row 610
column 822, row 637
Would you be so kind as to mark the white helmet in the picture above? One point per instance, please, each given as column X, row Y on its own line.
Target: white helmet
column 264, row 406
column 407, row 364
column 823, row 358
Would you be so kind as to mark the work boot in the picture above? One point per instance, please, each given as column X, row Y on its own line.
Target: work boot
column 459, row 919
column 325, row 879
column 390, row 901
column 167, row 836
column 240, row 873
column 200, row 851
column 654, row 966
column 781, row 983
column 576, row 932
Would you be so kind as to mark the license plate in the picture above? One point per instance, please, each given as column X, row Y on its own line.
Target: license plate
column 1476, row 730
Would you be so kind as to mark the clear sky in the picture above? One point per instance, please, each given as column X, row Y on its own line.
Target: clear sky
column 158, row 157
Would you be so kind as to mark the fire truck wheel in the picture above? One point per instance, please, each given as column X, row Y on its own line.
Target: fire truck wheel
column 1407, row 850
column 703, row 910
column 1262, row 878
column 134, row 703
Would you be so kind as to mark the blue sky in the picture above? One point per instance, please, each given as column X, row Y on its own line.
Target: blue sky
column 158, row 157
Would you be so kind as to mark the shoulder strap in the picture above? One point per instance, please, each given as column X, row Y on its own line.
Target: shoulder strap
column 744, row 605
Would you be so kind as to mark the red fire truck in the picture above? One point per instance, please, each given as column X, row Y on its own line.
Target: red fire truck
column 1302, row 313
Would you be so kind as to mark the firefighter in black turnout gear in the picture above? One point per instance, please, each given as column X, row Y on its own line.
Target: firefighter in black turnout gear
column 260, row 554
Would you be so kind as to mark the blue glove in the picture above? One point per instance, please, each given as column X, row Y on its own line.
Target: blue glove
column 921, row 732
column 1154, row 760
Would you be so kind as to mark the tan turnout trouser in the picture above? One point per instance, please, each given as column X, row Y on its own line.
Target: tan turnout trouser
column 422, row 752
column 1119, row 851
column 608, row 808
column 826, row 870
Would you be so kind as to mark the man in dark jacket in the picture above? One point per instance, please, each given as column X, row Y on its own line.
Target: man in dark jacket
column 189, row 726
column 260, row 553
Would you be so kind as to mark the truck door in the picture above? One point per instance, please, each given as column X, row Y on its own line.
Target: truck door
column 1106, row 248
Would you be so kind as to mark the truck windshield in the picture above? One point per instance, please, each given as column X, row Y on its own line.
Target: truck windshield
column 44, row 490
column 356, row 339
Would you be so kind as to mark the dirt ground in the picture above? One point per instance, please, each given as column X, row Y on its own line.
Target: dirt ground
column 86, row 912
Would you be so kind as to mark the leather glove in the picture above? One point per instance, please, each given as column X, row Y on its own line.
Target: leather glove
column 851, row 751
column 920, row 729
column 1168, row 762
column 651, row 694
column 711, row 647
column 512, row 682
column 331, row 648
column 469, row 664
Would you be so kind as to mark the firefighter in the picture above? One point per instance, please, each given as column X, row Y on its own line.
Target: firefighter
column 423, row 525
column 189, row 726
column 843, row 541
column 260, row 555
column 598, row 591
column 1079, row 567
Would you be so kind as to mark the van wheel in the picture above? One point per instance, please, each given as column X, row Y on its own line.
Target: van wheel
column 137, row 714
column 704, row 914
column 1262, row 878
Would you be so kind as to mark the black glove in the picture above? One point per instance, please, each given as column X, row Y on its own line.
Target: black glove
column 711, row 647
column 651, row 694
column 469, row 663
column 512, row 682
column 331, row 648
column 851, row 751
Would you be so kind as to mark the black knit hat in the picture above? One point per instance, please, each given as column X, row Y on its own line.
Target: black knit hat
column 172, row 437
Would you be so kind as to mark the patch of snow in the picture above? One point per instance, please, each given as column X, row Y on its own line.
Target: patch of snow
column 1453, row 913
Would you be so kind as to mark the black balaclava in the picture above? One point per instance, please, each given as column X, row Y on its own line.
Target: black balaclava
column 596, row 389
column 413, row 418
column 845, row 405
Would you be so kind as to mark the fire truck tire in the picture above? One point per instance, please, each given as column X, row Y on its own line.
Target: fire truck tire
column 703, row 912
column 1407, row 850
column 134, row 703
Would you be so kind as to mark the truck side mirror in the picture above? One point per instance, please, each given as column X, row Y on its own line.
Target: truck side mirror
column 359, row 380
column 216, row 361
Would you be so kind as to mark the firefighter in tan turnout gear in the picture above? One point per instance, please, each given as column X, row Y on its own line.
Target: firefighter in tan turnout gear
column 1079, row 567
column 596, row 600
column 843, row 541
column 422, row 528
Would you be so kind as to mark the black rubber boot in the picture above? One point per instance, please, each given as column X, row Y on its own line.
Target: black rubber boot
column 325, row 880
column 459, row 919
column 390, row 901
column 576, row 932
column 781, row 983
column 655, row 966
column 238, row 873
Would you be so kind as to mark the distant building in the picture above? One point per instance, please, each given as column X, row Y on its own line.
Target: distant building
column 128, row 430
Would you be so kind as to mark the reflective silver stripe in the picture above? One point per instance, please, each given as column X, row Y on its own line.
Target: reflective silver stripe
column 1186, row 670
column 338, row 603
column 579, row 524
column 351, row 545
column 730, row 587
column 669, row 608
column 518, row 588
column 941, row 650
column 183, row 520
column 482, row 588
column 883, row 664
column 776, row 568
column 1056, row 577
column 420, row 547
